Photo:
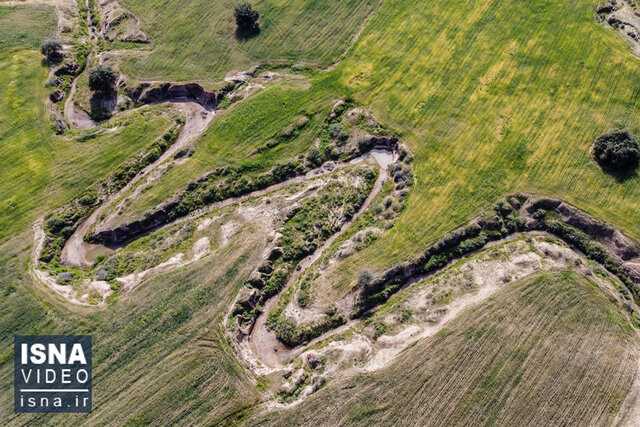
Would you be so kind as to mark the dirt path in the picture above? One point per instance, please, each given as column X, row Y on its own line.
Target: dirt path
column 77, row 119
column 74, row 252
column 80, row 119
column 263, row 343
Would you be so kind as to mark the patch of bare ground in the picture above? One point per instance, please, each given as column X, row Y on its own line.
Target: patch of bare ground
column 624, row 17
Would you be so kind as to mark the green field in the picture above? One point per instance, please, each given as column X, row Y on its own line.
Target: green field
column 520, row 118
column 26, row 26
column 198, row 42
column 525, row 357
column 39, row 171
column 492, row 98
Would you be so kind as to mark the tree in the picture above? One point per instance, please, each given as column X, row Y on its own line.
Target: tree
column 617, row 150
column 246, row 17
column 102, row 80
column 52, row 50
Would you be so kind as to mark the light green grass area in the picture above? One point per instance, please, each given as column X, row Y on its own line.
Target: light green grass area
column 521, row 116
column 40, row 172
column 495, row 97
column 234, row 136
column 196, row 41
column 26, row 26
column 546, row 350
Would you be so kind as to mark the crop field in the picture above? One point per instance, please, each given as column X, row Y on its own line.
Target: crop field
column 294, row 30
column 26, row 26
column 40, row 171
column 490, row 97
column 525, row 356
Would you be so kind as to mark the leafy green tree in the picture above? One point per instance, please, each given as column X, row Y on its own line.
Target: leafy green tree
column 617, row 150
column 246, row 17
column 52, row 50
column 102, row 80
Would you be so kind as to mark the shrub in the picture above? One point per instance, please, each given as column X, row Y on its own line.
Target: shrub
column 379, row 329
column 102, row 80
column 617, row 150
column 52, row 50
column 337, row 131
column 246, row 17
column 365, row 277
column 285, row 170
column 314, row 157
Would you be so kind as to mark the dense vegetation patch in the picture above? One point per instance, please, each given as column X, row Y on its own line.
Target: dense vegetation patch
column 52, row 51
column 102, row 80
column 617, row 150
column 246, row 17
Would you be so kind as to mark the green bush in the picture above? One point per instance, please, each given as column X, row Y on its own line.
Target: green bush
column 102, row 80
column 52, row 50
column 617, row 150
column 314, row 157
column 246, row 17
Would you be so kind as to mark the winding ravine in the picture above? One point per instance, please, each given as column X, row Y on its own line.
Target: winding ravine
column 262, row 342
column 74, row 252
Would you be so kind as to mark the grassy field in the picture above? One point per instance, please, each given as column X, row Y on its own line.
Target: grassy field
column 26, row 26
column 492, row 97
column 548, row 350
column 171, row 331
column 521, row 118
column 159, row 357
column 198, row 42
column 39, row 171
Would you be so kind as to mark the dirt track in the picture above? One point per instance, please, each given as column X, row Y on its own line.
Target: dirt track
column 75, row 250
column 263, row 343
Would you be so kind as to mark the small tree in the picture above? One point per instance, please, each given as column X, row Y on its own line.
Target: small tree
column 246, row 17
column 102, row 80
column 52, row 50
column 617, row 150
